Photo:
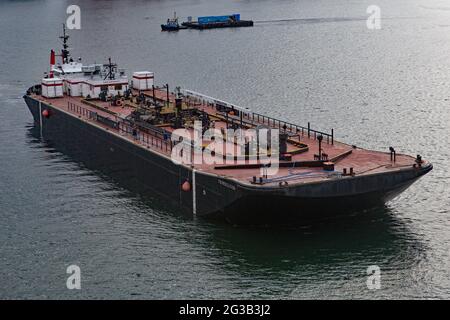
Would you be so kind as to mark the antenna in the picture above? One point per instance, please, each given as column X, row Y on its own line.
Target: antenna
column 65, row 51
column 111, row 68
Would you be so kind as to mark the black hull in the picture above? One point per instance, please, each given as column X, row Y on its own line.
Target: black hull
column 319, row 201
column 165, row 28
column 171, row 28
column 286, row 210
column 216, row 197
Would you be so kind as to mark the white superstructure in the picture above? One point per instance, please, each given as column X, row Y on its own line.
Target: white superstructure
column 89, row 81
column 52, row 87
column 143, row 80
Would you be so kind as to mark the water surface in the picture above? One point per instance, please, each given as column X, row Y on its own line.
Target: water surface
column 302, row 61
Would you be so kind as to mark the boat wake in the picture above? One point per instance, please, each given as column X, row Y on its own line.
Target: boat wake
column 313, row 20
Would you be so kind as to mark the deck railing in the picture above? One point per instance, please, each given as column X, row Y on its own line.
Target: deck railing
column 81, row 111
column 280, row 124
column 257, row 118
column 148, row 139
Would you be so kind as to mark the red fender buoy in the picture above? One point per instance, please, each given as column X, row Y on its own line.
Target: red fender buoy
column 186, row 186
column 46, row 113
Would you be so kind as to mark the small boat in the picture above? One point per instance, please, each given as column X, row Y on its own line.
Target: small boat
column 172, row 24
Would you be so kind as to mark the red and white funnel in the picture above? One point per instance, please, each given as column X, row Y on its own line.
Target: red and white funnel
column 52, row 62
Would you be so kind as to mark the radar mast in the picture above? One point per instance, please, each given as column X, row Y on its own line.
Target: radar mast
column 65, row 51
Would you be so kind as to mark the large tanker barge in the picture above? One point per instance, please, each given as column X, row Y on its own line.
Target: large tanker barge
column 138, row 123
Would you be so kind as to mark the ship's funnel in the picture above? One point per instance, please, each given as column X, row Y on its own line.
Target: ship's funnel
column 52, row 62
column 52, row 58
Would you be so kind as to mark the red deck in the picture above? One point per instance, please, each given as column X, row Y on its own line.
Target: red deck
column 362, row 161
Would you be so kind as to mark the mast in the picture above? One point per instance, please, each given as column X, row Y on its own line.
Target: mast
column 175, row 19
column 112, row 68
column 65, row 51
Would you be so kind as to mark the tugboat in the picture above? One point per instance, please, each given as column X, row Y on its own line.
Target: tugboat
column 137, row 124
column 172, row 24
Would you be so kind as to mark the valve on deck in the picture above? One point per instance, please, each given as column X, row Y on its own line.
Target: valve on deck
column 419, row 160
column 393, row 154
